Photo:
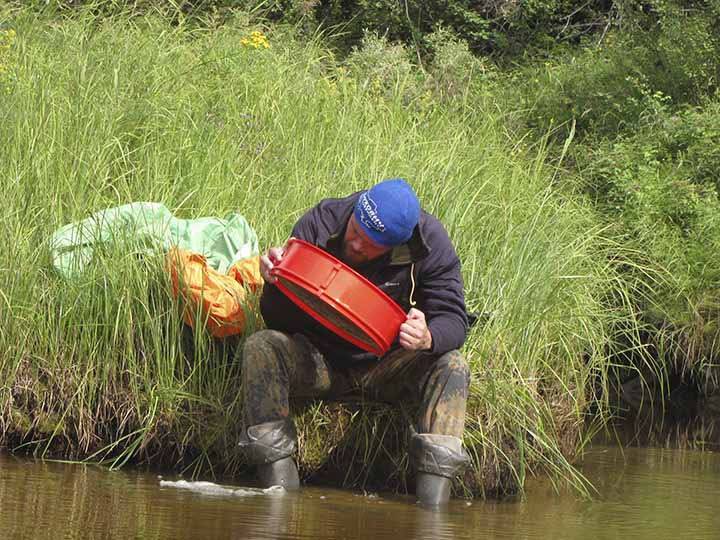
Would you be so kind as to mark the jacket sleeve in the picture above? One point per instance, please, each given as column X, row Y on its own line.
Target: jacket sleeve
column 441, row 295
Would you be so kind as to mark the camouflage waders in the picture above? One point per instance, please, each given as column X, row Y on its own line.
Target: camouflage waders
column 277, row 366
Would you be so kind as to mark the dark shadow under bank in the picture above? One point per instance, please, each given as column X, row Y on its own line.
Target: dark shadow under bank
column 678, row 411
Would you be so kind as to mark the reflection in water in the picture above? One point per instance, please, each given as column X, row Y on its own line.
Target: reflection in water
column 643, row 494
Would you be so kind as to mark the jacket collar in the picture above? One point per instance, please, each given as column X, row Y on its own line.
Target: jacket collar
column 411, row 251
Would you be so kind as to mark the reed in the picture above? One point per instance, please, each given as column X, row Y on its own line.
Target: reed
column 104, row 111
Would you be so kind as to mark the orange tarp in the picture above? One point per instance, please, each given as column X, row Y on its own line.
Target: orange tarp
column 220, row 299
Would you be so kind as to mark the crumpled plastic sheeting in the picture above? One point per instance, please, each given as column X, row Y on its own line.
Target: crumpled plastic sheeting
column 150, row 227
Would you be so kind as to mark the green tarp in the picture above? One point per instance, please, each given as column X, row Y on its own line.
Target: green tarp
column 149, row 227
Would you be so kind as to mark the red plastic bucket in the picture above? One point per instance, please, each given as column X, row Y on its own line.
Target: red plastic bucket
column 338, row 297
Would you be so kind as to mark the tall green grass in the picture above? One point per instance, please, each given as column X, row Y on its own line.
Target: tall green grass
column 104, row 111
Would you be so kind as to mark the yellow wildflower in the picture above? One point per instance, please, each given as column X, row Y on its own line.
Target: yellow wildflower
column 256, row 40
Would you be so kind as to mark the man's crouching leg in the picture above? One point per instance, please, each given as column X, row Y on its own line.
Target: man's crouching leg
column 272, row 362
column 436, row 451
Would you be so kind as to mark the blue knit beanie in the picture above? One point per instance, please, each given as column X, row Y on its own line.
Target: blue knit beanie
column 388, row 212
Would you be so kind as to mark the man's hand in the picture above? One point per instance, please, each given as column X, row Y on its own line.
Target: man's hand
column 269, row 260
column 414, row 333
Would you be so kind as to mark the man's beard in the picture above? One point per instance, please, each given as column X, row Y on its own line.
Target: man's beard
column 353, row 259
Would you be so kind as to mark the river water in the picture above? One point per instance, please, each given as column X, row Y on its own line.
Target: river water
column 643, row 493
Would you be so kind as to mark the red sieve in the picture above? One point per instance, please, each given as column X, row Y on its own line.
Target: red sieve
column 338, row 297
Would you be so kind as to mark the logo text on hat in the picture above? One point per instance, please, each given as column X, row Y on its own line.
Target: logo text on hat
column 368, row 213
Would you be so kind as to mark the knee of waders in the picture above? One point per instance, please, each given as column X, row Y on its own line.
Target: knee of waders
column 266, row 338
column 452, row 366
column 258, row 344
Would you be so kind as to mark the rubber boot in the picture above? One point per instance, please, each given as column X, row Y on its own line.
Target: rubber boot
column 432, row 489
column 279, row 473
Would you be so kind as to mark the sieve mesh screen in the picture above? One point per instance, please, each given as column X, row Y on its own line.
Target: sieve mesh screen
column 327, row 312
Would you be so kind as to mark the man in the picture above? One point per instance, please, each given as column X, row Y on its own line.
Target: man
column 384, row 235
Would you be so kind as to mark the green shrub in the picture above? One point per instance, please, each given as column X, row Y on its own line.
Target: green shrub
column 454, row 69
column 659, row 188
column 504, row 28
column 383, row 68
column 611, row 85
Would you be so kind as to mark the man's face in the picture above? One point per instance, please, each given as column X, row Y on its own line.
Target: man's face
column 357, row 247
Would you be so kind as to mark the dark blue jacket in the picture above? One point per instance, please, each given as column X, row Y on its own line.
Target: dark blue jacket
column 429, row 255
